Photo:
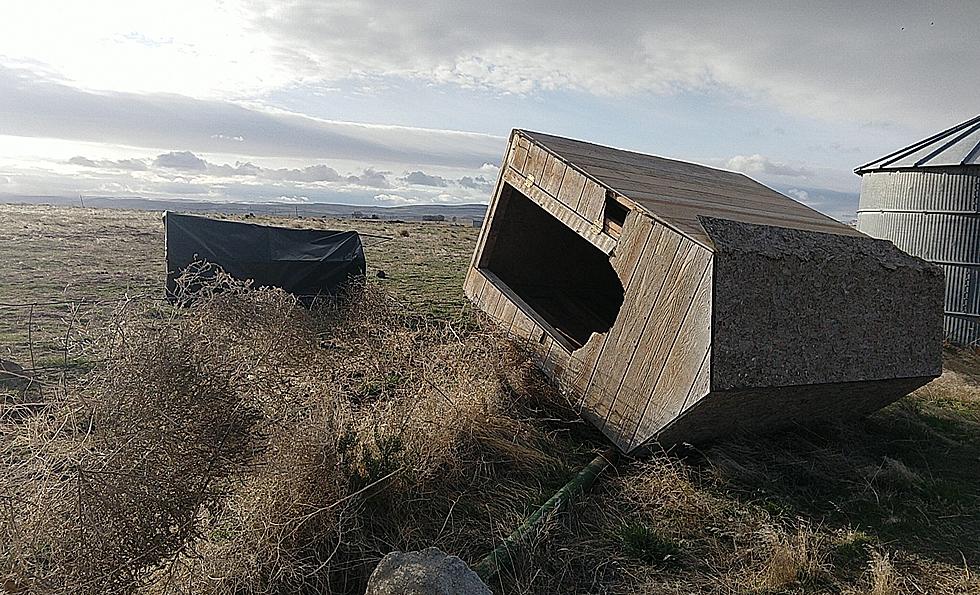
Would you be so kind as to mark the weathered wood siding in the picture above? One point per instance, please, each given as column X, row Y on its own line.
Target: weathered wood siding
column 548, row 181
column 645, row 367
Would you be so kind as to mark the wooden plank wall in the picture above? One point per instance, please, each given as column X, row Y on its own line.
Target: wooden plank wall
column 514, row 321
column 562, row 190
column 543, row 185
column 633, row 378
column 689, row 358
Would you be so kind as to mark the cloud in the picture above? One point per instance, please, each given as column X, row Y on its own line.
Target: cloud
column 25, row 180
column 800, row 195
column 475, row 183
column 128, row 164
column 834, row 147
column 312, row 173
column 839, row 205
column 241, row 168
column 371, row 178
column 833, row 59
column 182, row 160
column 35, row 106
column 131, row 164
column 420, row 178
column 83, row 161
column 392, row 199
column 758, row 164
column 238, row 139
column 189, row 162
column 174, row 170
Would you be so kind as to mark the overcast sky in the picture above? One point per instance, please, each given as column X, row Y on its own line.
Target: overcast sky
column 374, row 102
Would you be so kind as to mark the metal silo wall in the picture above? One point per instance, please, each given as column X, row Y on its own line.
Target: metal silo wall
column 933, row 214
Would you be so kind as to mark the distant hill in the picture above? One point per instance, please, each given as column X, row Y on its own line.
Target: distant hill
column 407, row 212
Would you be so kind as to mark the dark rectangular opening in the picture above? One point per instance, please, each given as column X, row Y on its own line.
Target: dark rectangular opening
column 567, row 281
column 614, row 216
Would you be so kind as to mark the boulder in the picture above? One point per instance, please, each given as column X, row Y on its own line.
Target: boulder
column 426, row 572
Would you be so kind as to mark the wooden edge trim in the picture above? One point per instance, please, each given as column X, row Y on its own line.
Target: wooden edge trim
column 515, row 299
column 559, row 211
column 632, row 203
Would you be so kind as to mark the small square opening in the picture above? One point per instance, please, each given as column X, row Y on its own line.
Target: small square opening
column 614, row 216
column 563, row 278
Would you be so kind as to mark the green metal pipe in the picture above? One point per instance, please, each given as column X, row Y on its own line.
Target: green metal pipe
column 493, row 563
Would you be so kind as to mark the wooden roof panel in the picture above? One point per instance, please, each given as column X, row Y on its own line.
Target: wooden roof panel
column 679, row 192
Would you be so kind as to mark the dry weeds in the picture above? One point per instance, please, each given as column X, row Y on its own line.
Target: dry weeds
column 244, row 444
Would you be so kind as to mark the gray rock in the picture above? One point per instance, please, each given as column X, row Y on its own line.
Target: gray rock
column 426, row 572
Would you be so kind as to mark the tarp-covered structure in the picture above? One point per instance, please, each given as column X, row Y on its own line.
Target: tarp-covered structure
column 304, row 262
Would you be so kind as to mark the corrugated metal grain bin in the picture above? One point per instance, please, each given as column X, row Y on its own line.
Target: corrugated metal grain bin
column 926, row 199
column 679, row 302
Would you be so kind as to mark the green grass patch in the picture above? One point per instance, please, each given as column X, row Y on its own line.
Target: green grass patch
column 641, row 542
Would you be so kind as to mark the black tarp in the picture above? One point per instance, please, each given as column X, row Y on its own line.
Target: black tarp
column 305, row 262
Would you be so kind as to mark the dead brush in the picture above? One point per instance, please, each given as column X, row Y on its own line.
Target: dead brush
column 243, row 444
column 112, row 476
column 882, row 577
column 793, row 558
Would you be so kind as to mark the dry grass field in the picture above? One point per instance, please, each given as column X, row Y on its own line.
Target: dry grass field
column 245, row 445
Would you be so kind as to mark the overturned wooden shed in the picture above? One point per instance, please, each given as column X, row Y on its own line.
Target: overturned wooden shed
column 679, row 302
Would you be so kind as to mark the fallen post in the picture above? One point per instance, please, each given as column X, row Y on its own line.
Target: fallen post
column 493, row 563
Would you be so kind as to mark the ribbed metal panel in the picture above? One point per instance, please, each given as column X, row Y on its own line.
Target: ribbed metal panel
column 959, row 145
column 933, row 214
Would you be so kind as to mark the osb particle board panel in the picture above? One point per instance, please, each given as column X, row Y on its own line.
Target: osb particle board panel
column 795, row 307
